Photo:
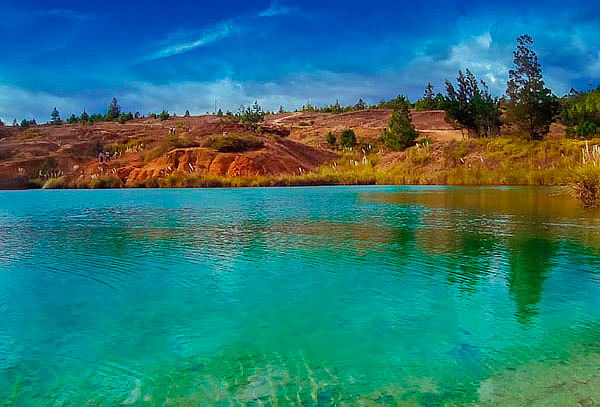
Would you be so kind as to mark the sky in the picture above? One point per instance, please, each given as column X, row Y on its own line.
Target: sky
column 189, row 55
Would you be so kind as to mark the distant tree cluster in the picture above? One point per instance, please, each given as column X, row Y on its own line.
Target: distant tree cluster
column 334, row 108
column 249, row 116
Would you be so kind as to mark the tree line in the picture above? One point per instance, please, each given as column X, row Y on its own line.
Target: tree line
column 528, row 107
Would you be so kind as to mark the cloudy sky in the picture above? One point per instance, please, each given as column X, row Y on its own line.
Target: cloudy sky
column 188, row 54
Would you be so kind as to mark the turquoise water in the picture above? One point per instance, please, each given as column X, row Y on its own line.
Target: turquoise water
column 333, row 296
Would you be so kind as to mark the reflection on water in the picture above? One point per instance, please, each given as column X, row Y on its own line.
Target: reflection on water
column 303, row 296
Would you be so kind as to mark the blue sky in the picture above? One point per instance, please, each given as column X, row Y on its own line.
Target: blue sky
column 185, row 55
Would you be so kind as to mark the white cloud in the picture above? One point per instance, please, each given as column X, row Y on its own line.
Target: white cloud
column 276, row 10
column 223, row 30
column 17, row 103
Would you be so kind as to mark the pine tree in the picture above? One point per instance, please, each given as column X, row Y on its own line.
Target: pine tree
column 281, row 109
column 472, row 106
column 402, row 133
column 72, row 120
column 220, row 112
column 84, row 117
column 55, row 117
column 1, row 122
column 114, row 110
column 187, row 113
column 15, row 123
column 531, row 106
column 429, row 97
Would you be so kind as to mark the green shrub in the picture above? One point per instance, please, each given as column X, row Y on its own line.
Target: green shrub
column 169, row 143
column 233, row 143
column 56, row 183
column 105, row 182
column 348, row 138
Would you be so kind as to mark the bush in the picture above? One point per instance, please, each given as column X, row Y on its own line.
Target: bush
column 164, row 115
column 169, row 143
column 105, row 182
column 331, row 139
column 585, row 181
column 233, row 143
column 56, row 183
column 348, row 138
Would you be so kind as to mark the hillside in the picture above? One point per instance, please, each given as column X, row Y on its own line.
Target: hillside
column 289, row 149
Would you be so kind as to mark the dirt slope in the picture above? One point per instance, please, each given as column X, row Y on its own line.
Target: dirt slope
column 293, row 143
column 311, row 128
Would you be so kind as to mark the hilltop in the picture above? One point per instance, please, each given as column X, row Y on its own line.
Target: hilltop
column 287, row 149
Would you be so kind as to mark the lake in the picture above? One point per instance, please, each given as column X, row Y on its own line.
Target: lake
column 345, row 296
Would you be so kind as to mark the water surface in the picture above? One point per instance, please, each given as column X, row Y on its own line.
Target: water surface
column 334, row 296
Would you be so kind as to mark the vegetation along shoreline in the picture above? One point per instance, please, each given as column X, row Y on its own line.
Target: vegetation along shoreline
column 463, row 136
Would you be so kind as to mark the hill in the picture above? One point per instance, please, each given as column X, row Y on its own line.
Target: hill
column 288, row 149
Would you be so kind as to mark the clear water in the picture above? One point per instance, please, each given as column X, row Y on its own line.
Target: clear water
column 341, row 296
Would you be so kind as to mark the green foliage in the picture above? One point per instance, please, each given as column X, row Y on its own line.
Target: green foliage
column 331, row 139
column 55, row 117
column 251, row 116
column 104, row 182
column 531, row 106
column 360, row 105
column 56, row 183
column 233, row 143
column 114, row 110
column 125, row 117
column 48, row 168
column 28, row 123
column 348, row 138
column 1, row 122
column 164, row 115
column 401, row 134
column 399, row 102
column 581, row 113
column 187, row 114
column 169, row 143
column 472, row 105
column 73, row 119
column 84, row 118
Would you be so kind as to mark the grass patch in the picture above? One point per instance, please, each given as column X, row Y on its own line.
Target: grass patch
column 585, row 180
column 233, row 143
column 169, row 143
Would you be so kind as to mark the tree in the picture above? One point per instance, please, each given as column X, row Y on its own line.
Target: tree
column 72, row 120
column 331, row 139
column 55, row 117
column 15, row 123
column 531, row 106
column 114, row 110
column 281, row 109
column 472, row 105
column 348, row 138
column 164, row 115
column 402, row 133
column 251, row 116
column 84, row 117
column 220, row 112
column 360, row 105
column 187, row 113
column 1, row 122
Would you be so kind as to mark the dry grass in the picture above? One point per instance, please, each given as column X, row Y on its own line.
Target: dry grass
column 585, row 181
